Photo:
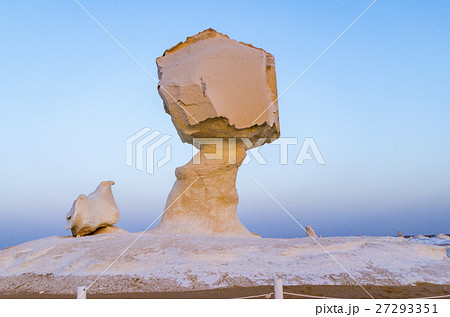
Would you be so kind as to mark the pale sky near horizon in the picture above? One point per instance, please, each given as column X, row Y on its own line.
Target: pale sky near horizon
column 377, row 104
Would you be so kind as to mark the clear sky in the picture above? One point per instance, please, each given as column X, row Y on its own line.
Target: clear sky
column 377, row 103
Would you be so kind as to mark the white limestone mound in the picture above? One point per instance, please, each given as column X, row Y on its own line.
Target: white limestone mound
column 443, row 236
column 310, row 232
column 136, row 262
column 97, row 210
column 213, row 86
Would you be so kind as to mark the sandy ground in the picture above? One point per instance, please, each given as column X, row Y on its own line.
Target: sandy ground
column 159, row 263
column 179, row 266
column 340, row 291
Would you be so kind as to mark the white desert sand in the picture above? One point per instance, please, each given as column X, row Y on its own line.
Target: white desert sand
column 180, row 262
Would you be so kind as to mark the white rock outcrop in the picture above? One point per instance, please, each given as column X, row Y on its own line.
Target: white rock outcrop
column 215, row 87
column 310, row 232
column 97, row 210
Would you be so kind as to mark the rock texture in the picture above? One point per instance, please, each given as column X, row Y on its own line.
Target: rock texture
column 108, row 229
column 215, row 87
column 204, row 198
column 97, row 210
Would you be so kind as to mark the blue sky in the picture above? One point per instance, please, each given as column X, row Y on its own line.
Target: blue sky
column 377, row 103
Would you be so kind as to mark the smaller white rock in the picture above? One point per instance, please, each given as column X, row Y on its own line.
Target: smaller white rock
column 97, row 210
column 442, row 236
column 310, row 232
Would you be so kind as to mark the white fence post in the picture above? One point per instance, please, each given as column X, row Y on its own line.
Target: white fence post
column 81, row 292
column 278, row 288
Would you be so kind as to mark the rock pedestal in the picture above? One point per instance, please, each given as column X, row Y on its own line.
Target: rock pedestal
column 204, row 198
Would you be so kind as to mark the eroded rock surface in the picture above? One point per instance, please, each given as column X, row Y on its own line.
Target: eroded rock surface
column 213, row 86
column 204, row 198
column 97, row 210
column 108, row 229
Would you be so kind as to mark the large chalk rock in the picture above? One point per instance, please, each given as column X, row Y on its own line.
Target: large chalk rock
column 214, row 87
column 97, row 210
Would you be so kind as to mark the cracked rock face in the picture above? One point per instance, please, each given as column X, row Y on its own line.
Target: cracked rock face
column 215, row 87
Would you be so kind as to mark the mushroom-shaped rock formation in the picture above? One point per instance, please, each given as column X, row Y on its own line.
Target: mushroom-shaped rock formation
column 97, row 210
column 215, row 87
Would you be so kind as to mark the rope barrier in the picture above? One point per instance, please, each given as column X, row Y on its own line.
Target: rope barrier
column 322, row 297
column 81, row 293
column 268, row 296
column 432, row 297
column 309, row 296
